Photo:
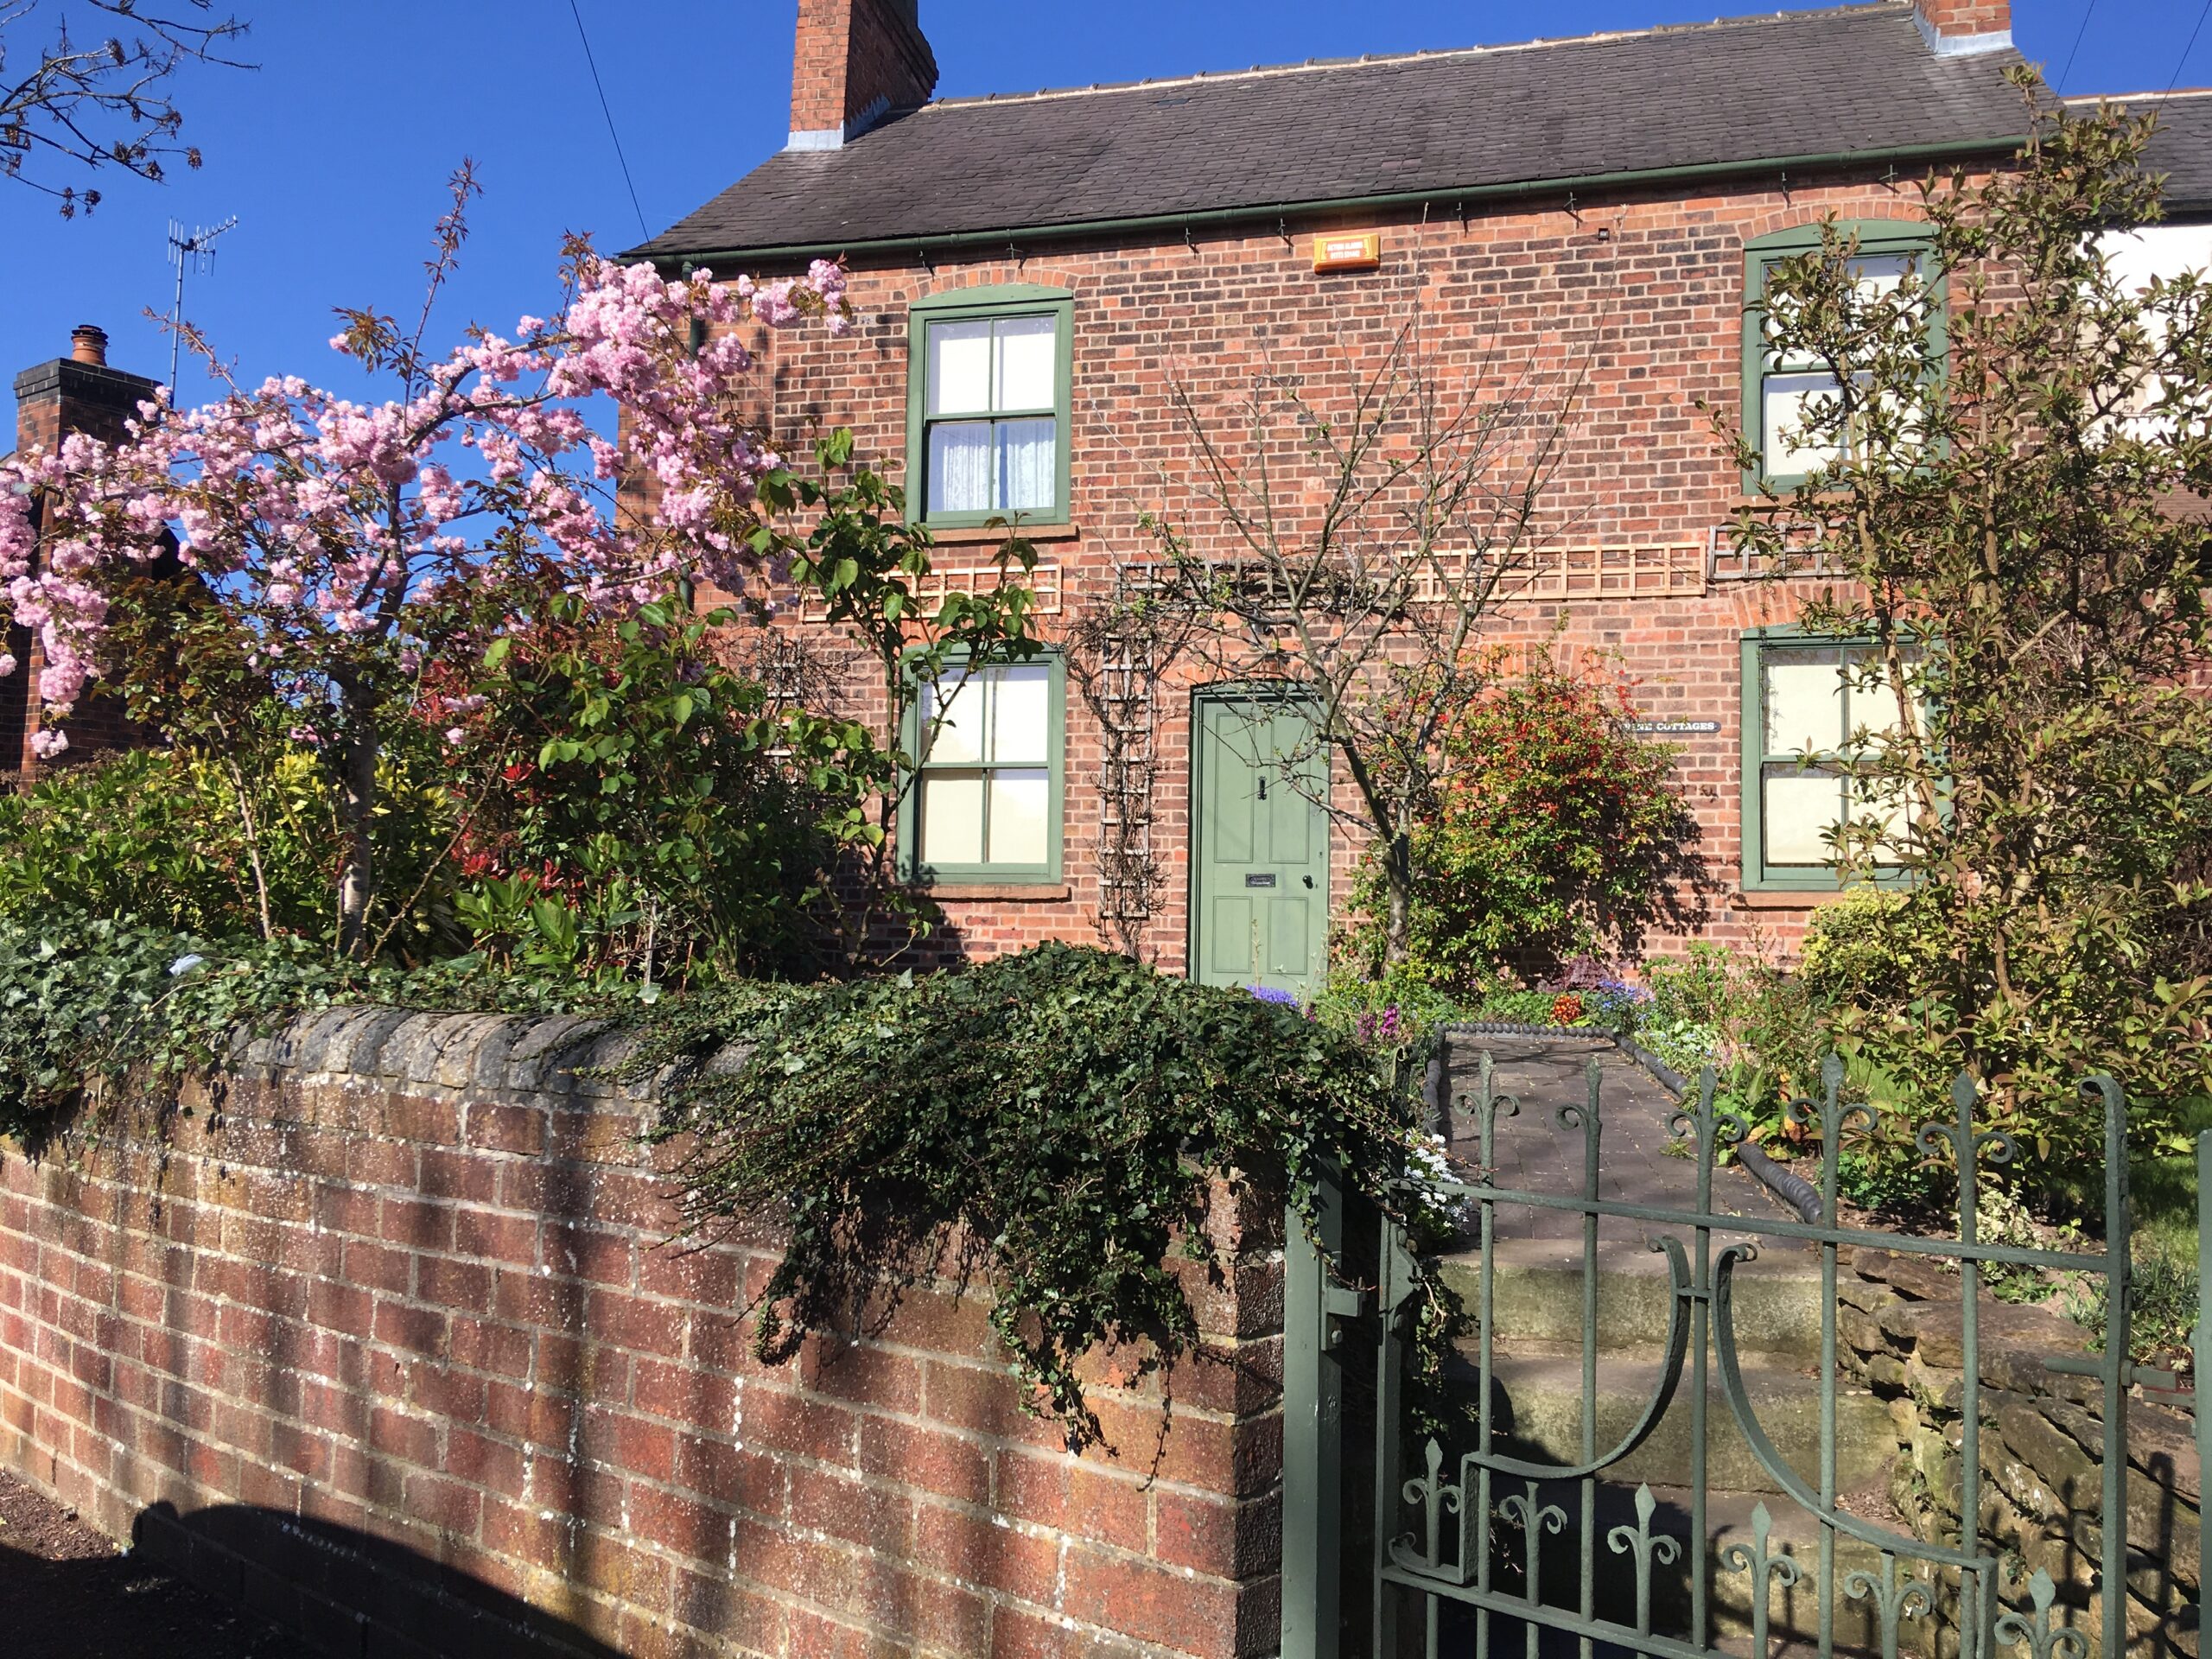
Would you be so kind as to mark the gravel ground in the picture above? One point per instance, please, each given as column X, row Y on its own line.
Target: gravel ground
column 66, row 1593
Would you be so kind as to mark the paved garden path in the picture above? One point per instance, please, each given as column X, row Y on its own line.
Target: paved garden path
column 1534, row 1154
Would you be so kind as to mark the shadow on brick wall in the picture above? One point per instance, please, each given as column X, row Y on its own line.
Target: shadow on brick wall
column 350, row 1593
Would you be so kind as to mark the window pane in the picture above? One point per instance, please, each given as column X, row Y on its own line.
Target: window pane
column 952, row 817
column 1878, row 274
column 1804, row 701
column 1021, row 817
column 960, row 466
column 1028, row 464
column 1783, row 442
column 1027, row 365
column 960, row 368
column 1874, row 701
column 1021, row 703
column 959, row 738
column 1888, row 807
column 1800, row 808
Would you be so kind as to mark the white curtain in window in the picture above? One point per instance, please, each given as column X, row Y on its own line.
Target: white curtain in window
column 1801, row 809
column 955, row 705
column 960, row 466
column 1021, row 703
column 1874, row 702
column 1028, row 464
column 1804, row 701
column 1789, row 449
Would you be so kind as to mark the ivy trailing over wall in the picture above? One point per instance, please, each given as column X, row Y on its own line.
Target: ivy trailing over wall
column 90, row 1005
column 1060, row 1122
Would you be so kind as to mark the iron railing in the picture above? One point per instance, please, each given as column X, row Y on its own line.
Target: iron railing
column 1459, row 1524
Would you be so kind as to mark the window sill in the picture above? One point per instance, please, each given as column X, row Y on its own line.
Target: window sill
column 999, row 535
column 1786, row 898
column 1025, row 893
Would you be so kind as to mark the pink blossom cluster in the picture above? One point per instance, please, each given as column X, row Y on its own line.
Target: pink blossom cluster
column 323, row 522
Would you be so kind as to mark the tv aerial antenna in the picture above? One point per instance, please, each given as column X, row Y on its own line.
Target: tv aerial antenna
column 195, row 252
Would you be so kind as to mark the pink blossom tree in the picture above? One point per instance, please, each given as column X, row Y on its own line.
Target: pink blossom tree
column 334, row 540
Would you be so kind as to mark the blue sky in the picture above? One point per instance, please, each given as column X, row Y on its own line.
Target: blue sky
column 333, row 153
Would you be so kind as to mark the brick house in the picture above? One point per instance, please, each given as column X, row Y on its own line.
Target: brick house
column 1039, row 265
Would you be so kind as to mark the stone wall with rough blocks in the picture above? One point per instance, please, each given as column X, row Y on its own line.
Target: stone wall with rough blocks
column 2041, row 1445
column 387, row 1340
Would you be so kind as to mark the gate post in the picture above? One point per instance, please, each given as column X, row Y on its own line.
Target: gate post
column 2201, row 1338
column 1313, row 1423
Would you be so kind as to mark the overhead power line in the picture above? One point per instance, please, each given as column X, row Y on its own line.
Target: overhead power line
column 2183, row 61
column 2086, row 11
column 592, row 63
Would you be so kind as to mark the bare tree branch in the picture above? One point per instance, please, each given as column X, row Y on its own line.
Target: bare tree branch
column 97, row 94
column 1349, row 535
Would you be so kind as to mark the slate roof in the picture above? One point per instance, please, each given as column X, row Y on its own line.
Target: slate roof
column 1775, row 88
column 2180, row 147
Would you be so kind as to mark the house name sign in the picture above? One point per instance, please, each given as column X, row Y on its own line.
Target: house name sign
column 1362, row 250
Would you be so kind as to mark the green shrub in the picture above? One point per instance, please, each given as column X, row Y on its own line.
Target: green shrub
column 631, row 807
column 1757, row 1026
column 1349, row 999
column 1867, row 947
column 1554, row 835
column 1056, row 1119
column 240, row 846
column 161, row 836
column 1700, row 989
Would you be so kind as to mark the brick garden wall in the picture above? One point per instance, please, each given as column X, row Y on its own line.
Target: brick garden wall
column 388, row 1344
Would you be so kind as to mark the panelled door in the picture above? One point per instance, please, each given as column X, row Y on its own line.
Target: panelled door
column 1259, row 873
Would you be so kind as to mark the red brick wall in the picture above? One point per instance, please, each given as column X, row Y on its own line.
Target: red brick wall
column 1647, row 291
column 395, row 1349
column 849, row 53
column 1962, row 17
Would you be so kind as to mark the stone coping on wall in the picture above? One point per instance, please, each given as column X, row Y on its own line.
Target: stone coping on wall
column 389, row 1340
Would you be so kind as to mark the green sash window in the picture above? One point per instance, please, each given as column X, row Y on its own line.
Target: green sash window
column 986, row 427
column 1782, row 387
column 986, row 800
column 1805, row 707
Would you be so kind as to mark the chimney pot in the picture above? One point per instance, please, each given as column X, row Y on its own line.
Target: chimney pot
column 88, row 343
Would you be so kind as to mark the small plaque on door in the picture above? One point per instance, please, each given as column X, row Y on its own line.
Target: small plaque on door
column 1267, row 881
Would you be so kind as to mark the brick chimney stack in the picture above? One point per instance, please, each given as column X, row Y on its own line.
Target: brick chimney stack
column 1959, row 27
column 76, row 393
column 854, row 62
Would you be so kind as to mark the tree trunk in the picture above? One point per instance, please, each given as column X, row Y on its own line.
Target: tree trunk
column 1398, row 874
column 357, row 874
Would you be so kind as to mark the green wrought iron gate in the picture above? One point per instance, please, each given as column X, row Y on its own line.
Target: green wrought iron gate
column 1415, row 1529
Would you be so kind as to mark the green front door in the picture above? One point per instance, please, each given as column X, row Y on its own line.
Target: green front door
column 1260, row 880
